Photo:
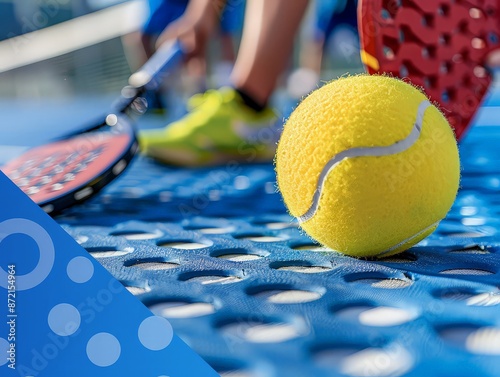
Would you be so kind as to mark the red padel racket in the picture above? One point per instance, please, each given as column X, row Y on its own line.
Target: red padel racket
column 440, row 45
column 60, row 174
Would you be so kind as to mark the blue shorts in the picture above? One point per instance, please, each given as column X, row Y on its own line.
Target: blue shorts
column 162, row 14
column 231, row 20
column 331, row 13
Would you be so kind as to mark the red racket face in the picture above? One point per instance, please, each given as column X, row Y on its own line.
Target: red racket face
column 440, row 45
column 62, row 173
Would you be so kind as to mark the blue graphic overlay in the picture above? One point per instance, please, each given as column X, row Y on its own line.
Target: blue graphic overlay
column 62, row 313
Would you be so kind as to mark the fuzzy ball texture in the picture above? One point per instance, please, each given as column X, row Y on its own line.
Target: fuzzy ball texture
column 383, row 178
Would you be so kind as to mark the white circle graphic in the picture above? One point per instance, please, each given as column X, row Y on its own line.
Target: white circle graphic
column 45, row 247
column 64, row 319
column 80, row 269
column 155, row 333
column 103, row 349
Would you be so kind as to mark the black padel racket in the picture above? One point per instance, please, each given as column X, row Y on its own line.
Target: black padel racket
column 60, row 174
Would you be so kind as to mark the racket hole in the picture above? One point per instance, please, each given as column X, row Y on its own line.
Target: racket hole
column 388, row 53
column 475, row 339
column 211, row 277
column 286, row 295
column 375, row 280
column 137, row 291
column 212, row 230
column 241, row 182
column 474, row 221
column 457, row 58
column 466, row 271
column 403, row 71
column 445, row 68
column 260, row 238
column 427, row 83
column 429, row 52
column 445, row 96
column 427, row 21
column 461, row 27
column 474, row 249
column 493, row 38
column 300, row 266
column 465, row 234
column 136, row 288
column 443, row 10
column 475, row 13
column 490, row 11
column 136, row 235
column 81, row 239
column 309, row 247
column 390, row 8
column 376, row 316
column 444, row 39
column 484, row 299
column 240, row 254
column 152, row 264
column 480, row 72
column 469, row 297
column 478, row 43
column 108, row 251
column 263, row 331
column 393, row 360
column 182, row 309
column 282, row 225
column 384, row 13
column 185, row 244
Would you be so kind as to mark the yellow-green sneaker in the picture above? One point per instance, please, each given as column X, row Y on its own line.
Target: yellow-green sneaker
column 218, row 129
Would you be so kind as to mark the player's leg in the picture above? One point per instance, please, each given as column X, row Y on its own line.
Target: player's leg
column 235, row 124
column 270, row 27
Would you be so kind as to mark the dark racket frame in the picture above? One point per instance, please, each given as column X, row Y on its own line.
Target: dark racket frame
column 60, row 174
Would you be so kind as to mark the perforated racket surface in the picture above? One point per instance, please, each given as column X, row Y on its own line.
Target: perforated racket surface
column 60, row 174
column 440, row 45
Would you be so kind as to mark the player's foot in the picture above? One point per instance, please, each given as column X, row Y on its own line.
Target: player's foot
column 442, row 46
column 219, row 128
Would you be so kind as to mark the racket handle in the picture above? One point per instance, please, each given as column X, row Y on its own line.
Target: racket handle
column 165, row 58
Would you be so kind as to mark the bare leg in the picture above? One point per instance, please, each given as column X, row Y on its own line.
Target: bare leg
column 268, row 36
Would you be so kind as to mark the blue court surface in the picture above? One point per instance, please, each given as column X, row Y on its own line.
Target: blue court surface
column 215, row 252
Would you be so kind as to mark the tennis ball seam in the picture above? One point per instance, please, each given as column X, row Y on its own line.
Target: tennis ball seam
column 401, row 243
column 397, row 147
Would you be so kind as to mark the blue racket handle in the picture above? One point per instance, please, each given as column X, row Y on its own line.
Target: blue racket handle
column 167, row 57
column 148, row 77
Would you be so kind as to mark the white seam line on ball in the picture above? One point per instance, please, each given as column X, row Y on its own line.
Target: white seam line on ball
column 407, row 240
column 397, row 147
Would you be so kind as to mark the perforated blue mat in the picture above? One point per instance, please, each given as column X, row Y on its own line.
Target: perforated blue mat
column 216, row 253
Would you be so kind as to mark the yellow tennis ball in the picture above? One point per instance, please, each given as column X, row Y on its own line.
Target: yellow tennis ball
column 368, row 165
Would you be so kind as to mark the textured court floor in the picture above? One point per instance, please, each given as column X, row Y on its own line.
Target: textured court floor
column 214, row 251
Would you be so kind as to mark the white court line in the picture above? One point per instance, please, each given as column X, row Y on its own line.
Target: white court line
column 72, row 35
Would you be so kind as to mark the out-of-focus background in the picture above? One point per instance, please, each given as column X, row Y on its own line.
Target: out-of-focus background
column 63, row 61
